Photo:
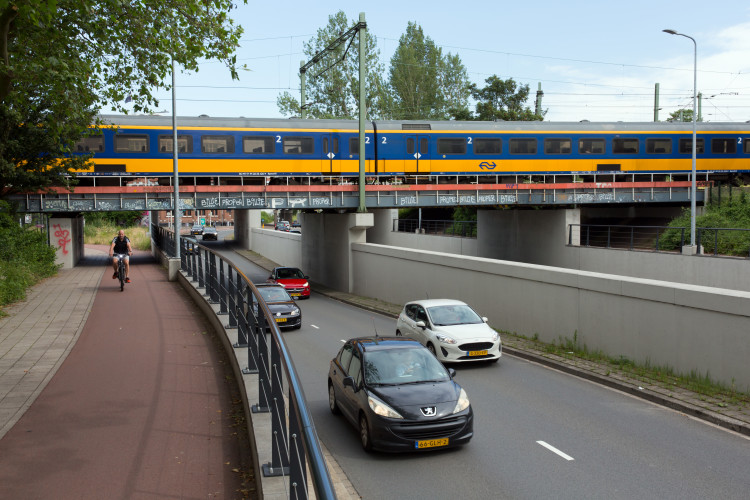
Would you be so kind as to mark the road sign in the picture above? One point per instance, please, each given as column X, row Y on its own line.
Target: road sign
column 203, row 221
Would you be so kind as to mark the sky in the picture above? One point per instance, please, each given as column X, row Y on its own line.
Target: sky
column 595, row 60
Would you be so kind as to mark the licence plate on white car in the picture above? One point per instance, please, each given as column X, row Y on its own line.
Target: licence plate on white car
column 477, row 353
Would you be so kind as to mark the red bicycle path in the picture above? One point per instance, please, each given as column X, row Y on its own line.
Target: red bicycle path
column 144, row 406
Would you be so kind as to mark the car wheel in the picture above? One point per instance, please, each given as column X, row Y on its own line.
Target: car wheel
column 431, row 348
column 364, row 433
column 398, row 333
column 332, row 404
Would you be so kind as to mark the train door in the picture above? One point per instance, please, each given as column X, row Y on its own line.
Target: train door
column 331, row 161
column 417, row 154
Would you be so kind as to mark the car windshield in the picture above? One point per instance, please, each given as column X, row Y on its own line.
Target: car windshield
column 272, row 294
column 210, row 230
column 453, row 314
column 290, row 273
column 402, row 366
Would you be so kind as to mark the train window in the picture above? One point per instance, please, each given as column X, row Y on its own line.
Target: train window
column 624, row 146
column 354, row 146
column 591, row 146
column 746, row 142
column 556, row 146
column 658, row 146
column 89, row 144
column 410, row 146
column 488, row 146
column 451, row 146
column 256, row 144
column 298, row 145
column 723, row 145
column 184, row 143
column 217, row 144
column 686, row 146
column 423, row 145
column 523, row 146
column 131, row 143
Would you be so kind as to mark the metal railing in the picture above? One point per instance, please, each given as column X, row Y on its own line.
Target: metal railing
column 710, row 240
column 463, row 229
column 294, row 438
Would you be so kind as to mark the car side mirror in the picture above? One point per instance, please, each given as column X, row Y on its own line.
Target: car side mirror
column 307, row 277
column 421, row 324
column 451, row 372
column 349, row 381
column 484, row 318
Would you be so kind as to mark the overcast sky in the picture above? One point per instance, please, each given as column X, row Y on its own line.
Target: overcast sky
column 595, row 60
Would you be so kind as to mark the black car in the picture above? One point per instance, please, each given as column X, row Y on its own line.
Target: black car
column 210, row 233
column 284, row 309
column 399, row 396
column 197, row 229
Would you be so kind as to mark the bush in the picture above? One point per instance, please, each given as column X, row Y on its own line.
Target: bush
column 25, row 257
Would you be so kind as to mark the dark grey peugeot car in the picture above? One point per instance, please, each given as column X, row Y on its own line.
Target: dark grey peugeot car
column 399, row 396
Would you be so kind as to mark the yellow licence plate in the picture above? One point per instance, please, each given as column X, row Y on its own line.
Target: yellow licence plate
column 295, row 294
column 478, row 353
column 280, row 320
column 431, row 443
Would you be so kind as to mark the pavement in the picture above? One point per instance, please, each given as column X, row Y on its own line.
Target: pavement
column 76, row 435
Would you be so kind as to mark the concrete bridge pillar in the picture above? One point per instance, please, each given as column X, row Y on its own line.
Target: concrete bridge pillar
column 66, row 237
column 531, row 236
column 383, row 227
column 327, row 246
column 244, row 221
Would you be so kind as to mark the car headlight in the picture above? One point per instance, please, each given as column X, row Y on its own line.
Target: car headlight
column 305, row 284
column 463, row 402
column 295, row 312
column 383, row 409
column 445, row 339
column 495, row 336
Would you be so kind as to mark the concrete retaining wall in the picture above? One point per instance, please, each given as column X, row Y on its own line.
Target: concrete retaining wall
column 686, row 327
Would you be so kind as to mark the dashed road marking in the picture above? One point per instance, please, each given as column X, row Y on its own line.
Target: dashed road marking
column 555, row 450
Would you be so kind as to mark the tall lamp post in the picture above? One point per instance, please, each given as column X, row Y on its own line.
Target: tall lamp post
column 695, row 98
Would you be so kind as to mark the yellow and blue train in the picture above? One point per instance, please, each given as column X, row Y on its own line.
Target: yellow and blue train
column 142, row 145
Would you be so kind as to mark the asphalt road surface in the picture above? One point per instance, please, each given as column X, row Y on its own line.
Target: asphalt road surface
column 538, row 433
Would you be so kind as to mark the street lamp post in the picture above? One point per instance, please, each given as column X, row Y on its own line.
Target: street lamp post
column 695, row 98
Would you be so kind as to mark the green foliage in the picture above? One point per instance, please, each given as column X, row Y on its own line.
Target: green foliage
column 332, row 84
column 681, row 115
column 503, row 100
column 25, row 257
column 425, row 84
column 62, row 61
column 114, row 218
column 732, row 214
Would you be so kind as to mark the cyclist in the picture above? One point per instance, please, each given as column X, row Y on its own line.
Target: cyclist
column 120, row 248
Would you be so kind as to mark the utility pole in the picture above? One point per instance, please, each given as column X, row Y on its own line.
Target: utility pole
column 539, row 95
column 656, row 102
column 361, row 29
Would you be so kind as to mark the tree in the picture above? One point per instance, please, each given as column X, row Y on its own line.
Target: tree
column 62, row 61
column 332, row 84
column 425, row 84
column 682, row 115
column 503, row 100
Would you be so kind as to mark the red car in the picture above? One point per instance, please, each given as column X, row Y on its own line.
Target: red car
column 293, row 279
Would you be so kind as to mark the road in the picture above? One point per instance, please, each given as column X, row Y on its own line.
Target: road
column 538, row 433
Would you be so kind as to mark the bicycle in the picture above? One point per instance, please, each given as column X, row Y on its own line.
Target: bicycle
column 121, row 271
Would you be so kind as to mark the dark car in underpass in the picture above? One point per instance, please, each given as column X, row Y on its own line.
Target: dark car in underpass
column 398, row 395
column 210, row 233
column 284, row 309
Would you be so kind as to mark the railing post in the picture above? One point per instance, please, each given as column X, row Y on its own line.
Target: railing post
column 264, row 385
column 214, row 275
column 279, row 464
column 232, row 300
column 632, row 236
column 297, row 465
column 609, row 236
column 200, row 269
column 222, row 289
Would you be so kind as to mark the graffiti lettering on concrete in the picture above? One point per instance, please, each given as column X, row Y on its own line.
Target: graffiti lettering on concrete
column 209, row 202
column 55, row 204
column 477, row 199
column 320, row 202
column 134, row 205
column 592, row 198
column 107, row 205
column 294, row 202
column 63, row 236
column 255, row 202
column 407, row 200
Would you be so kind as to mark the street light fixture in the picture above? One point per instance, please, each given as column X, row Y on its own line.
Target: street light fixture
column 695, row 98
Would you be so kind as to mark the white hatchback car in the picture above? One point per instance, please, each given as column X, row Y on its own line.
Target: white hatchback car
column 452, row 330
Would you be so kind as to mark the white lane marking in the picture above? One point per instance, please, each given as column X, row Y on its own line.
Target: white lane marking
column 316, row 327
column 555, row 450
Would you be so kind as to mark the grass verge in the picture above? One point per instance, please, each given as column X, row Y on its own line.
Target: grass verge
column 102, row 233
